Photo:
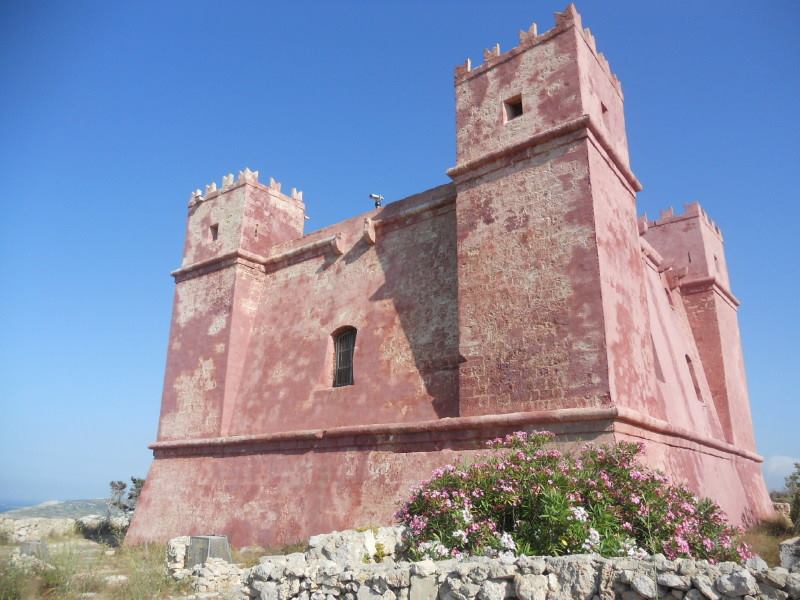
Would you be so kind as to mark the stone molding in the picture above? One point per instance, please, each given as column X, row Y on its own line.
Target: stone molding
column 582, row 123
column 459, row 429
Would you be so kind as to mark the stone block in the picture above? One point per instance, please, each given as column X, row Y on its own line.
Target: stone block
column 790, row 553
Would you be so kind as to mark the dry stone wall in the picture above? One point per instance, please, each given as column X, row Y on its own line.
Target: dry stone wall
column 334, row 568
column 26, row 530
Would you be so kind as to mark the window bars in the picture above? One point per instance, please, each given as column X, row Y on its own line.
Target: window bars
column 344, row 346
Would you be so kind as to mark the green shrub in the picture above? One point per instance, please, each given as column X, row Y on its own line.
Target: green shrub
column 794, row 514
column 527, row 499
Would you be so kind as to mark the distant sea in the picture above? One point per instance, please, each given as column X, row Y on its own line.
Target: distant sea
column 14, row 504
column 72, row 509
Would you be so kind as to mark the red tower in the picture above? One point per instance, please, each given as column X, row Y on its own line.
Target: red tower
column 524, row 294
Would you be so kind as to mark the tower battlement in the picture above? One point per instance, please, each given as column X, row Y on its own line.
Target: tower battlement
column 567, row 19
column 241, row 214
column 691, row 210
column 228, row 183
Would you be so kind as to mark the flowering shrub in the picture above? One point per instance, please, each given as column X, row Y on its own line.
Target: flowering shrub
column 523, row 498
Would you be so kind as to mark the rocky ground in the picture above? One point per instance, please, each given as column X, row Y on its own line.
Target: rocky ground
column 365, row 565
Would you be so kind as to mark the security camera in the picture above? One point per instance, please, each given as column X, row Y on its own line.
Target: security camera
column 378, row 199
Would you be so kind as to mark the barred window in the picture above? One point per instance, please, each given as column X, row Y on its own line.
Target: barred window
column 344, row 343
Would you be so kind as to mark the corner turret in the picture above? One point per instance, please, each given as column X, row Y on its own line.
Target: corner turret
column 690, row 241
column 550, row 82
column 691, row 245
column 241, row 215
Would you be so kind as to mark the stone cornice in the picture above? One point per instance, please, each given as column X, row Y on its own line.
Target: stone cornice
column 460, row 428
column 331, row 243
column 703, row 284
column 577, row 124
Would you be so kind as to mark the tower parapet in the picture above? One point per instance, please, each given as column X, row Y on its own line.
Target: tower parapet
column 242, row 214
column 549, row 81
column 691, row 243
column 691, row 240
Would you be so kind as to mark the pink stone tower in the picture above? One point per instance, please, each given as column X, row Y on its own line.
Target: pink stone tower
column 526, row 294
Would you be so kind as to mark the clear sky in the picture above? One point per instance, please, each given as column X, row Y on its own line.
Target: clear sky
column 112, row 112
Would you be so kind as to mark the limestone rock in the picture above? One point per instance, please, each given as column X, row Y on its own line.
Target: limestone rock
column 776, row 577
column 793, row 585
column 790, row 553
column 677, row 582
column 423, row 588
column 756, row 564
column 644, row 586
column 423, row 568
column 694, row 594
column 769, row 592
column 704, row 586
column 531, row 587
column 353, row 547
column 577, row 577
column 737, row 583
column 531, row 564
column 25, row 530
column 454, row 588
column 496, row 590
column 176, row 553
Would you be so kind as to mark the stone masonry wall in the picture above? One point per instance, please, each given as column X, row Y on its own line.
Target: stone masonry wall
column 340, row 566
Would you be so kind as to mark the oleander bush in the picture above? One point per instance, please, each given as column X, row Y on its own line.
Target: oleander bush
column 524, row 498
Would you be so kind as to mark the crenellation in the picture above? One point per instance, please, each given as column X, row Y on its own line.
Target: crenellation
column 248, row 176
column 464, row 68
column 227, row 181
column 491, row 53
column 691, row 210
column 195, row 197
column 569, row 17
column 564, row 20
column 275, row 186
column 529, row 35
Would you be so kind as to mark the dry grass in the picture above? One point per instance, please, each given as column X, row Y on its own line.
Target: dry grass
column 79, row 568
column 765, row 539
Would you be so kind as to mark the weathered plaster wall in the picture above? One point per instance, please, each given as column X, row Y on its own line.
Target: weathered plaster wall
column 692, row 245
column 197, row 356
column 401, row 296
column 626, row 324
column 671, row 342
column 601, row 91
column 692, row 241
column 280, row 493
column 545, row 75
column 530, row 313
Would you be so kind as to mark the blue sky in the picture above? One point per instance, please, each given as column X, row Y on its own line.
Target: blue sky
column 112, row 112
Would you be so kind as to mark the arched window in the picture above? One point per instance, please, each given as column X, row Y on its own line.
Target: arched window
column 344, row 344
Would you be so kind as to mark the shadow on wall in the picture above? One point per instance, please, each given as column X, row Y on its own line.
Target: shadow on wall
column 421, row 280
